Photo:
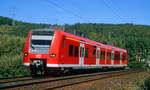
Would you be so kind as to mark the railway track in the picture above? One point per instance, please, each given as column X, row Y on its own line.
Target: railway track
column 91, row 78
column 58, row 82
column 14, row 77
column 16, row 80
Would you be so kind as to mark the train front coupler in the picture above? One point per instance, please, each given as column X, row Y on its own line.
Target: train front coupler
column 37, row 67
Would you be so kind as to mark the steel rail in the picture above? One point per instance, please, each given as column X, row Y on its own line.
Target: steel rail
column 83, row 81
column 59, row 79
column 2, row 82
column 14, row 77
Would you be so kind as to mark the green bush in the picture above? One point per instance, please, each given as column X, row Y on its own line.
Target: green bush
column 12, row 66
column 11, row 50
column 11, row 45
column 147, row 83
column 134, row 64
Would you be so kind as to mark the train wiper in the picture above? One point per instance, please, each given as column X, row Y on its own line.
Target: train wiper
column 32, row 47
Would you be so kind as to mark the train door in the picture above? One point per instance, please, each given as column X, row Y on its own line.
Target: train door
column 124, row 58
column 102, row 56
column 121, row 54
column 112, row 57
column 81, row 54
column 108, row 57
column 117, row 57
column 97, row 55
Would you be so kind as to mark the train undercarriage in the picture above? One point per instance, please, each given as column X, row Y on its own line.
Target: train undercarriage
column 39, row 68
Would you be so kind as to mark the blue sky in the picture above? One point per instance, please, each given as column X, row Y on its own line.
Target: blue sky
column 73, row 11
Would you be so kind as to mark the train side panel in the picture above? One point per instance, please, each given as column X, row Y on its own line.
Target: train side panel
column 55, row 49
column 26, row 49
column 70, row 51
column 90, row 55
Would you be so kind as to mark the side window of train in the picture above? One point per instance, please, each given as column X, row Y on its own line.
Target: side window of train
column 73, row 50
column 102, row 55
column 86, row 52
column 117, row 57
column 70, row 50
column 80, row 51
column 94, row 53
column 123, row 57
column 76, row 52
column 108, row 56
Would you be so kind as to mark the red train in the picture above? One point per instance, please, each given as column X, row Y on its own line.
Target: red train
column 49, row 50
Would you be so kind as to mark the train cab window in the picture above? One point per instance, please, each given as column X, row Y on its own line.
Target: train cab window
column 86, row 52
column 76, row 51
column 40, row 40
column 70, row 50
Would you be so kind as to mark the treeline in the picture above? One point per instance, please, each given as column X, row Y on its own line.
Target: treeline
column 134, row 38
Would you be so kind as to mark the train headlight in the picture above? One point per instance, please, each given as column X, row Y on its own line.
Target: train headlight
column 25, row 54
column 53, row 55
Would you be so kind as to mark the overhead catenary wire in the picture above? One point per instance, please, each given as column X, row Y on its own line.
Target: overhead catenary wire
column 120, row 9
column 66, row 10
column 75, row 7
column 111, row 9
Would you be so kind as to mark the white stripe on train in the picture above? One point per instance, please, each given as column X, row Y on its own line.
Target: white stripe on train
column 77, row 66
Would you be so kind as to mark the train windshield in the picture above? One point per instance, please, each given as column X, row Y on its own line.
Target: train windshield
column 40, row 41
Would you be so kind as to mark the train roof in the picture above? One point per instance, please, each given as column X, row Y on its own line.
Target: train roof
column 43, row 30
column 92, row 42
column 83, row 39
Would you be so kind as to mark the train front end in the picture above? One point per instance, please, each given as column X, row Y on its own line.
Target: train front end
column 37, row 49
